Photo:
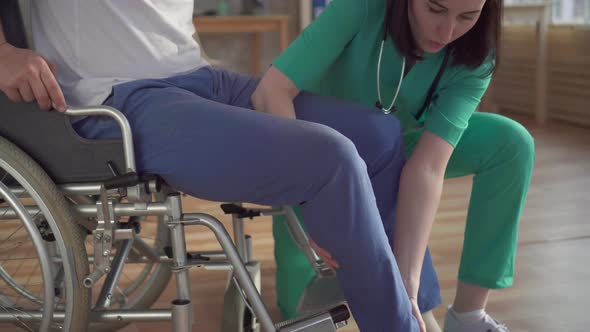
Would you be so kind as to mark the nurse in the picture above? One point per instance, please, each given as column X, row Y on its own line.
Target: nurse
column 444, row 52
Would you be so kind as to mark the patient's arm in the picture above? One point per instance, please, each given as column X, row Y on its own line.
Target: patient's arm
column 275, row 94
column 26, row 76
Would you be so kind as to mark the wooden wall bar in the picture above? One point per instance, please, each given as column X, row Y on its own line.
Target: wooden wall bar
column 568, row 73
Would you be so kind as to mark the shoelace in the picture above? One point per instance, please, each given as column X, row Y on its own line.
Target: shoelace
column 498, row 327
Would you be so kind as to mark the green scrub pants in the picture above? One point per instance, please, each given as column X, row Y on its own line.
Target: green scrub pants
column 499, row 152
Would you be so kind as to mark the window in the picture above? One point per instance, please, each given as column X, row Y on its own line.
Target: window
column 571, row 12
column 564, row 11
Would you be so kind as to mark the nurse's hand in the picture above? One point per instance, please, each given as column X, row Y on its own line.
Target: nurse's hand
column 26, row 76
column 324, row 255
column 327, row 258
column 274, row 94
column 417, row 314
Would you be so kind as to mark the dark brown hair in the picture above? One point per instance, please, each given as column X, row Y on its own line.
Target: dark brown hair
column 471, row 50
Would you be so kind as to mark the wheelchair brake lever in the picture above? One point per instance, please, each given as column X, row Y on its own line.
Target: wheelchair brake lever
column 122, row 181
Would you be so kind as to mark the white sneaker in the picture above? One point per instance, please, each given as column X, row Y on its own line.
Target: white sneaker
column 487, row 324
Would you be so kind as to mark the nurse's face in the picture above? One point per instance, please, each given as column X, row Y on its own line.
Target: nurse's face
column 436, row 23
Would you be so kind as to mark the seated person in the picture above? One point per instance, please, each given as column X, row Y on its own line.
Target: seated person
column 196, row 126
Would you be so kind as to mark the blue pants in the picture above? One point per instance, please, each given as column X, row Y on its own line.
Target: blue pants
column 341, row 162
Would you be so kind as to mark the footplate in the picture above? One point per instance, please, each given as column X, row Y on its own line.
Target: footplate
column 324, row 322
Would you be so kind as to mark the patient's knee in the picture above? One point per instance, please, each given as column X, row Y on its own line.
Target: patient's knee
column 331, row 151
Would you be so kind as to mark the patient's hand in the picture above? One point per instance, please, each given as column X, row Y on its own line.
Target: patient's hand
column 26, row 76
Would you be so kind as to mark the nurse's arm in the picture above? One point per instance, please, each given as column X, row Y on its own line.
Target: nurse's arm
column 275, row 94
column 418, row 199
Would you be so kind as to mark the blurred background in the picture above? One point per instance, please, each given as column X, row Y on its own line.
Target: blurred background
column 543, row 82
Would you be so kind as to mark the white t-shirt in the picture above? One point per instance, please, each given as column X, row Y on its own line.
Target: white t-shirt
column 100, row 43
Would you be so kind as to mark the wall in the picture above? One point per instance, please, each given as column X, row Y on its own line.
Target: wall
column 568, row 73
column 234, row 49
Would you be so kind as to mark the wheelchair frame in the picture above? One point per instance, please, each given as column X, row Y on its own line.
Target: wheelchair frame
column 138, row 192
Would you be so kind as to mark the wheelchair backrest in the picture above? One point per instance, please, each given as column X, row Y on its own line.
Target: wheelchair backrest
column 13, row 22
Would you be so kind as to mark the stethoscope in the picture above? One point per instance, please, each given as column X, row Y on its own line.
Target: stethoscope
column 401, row 78
column 431, row 91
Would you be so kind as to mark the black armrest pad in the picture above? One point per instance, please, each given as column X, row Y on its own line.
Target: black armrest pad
column 49, row 138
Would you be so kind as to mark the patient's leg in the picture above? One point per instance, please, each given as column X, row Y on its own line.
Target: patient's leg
column 226, row 153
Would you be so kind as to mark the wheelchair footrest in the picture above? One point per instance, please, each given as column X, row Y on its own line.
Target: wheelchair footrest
column 327, row 321
column 321, row 293
column 240, row 211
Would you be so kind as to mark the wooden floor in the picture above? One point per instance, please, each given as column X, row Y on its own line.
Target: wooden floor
column 552, row 287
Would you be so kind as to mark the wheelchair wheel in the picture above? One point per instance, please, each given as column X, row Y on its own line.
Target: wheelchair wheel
column 42, row 256
column 141, row 282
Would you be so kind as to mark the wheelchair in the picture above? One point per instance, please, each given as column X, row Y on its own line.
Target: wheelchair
column 89, row 244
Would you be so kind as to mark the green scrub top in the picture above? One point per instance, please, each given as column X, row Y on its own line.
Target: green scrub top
column 337, row 56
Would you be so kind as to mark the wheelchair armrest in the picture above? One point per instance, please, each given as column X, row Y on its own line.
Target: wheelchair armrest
column 123, row 125
column 49, row 139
